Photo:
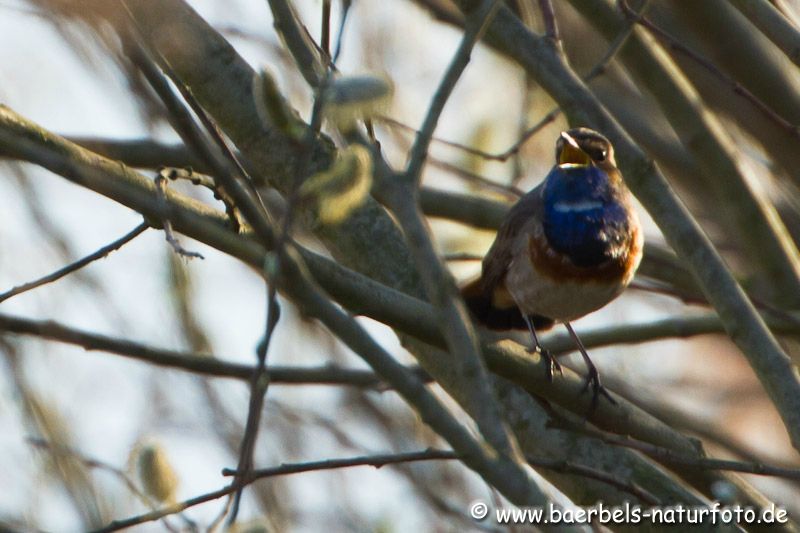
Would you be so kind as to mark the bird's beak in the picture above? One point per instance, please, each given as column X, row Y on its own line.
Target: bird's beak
column 571, row 153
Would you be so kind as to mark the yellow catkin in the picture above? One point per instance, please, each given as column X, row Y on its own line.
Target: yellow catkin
column 156, row 473
column 341, row 188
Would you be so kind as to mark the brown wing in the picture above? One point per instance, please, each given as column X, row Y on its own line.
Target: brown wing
column 487, row 297
column 497, row 260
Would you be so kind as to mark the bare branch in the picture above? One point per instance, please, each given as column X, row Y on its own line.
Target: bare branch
column 773, row 24
column 60, row 273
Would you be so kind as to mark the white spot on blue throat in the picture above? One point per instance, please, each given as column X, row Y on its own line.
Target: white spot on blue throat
column 577, row 207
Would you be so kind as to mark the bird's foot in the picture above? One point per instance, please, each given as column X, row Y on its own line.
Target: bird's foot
column 593, row 379
column 551, row 364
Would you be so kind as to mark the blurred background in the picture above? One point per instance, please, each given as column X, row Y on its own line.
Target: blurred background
column 67, row 75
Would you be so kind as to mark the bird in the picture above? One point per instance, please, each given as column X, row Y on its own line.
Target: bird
column 567, row 248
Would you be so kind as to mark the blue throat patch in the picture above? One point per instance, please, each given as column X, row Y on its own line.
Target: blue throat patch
column 583, row 216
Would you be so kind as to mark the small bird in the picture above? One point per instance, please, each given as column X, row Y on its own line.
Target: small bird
column 567, row 248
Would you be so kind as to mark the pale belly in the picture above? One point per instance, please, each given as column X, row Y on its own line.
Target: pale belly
column 562, row 301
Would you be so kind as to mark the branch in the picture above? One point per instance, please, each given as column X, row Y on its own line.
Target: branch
column 702, row 463
column 376, row 461
column 201, row 364
column 207, row 365
column 58, row 274
column 304, row 50
column 550, row 25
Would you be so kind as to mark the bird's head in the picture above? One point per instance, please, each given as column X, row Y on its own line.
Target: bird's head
column 585, row 147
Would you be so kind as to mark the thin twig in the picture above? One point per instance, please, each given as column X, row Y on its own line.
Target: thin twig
column 568, row 467
column 158, row 514
column 700, row 463
column 72, row 267
column 549, row 118
column 330, row 464
column 161, row 194
column 549, row 18
column 376, row 461
column 735, row 86
column 476, row 25
column 325, row 33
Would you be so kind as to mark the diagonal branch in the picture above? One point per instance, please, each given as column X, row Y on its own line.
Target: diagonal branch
column 65, row 271
column 400, row 192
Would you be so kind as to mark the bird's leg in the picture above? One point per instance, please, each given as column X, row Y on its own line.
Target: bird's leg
column 593, row 377
column 551, row 364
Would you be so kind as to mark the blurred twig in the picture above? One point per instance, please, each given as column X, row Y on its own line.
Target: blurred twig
column 45, row 419
column 177, row 247
column 204, row 364
column 116, row 472
column 735, row 86
column 773, row 24
column 702, row 463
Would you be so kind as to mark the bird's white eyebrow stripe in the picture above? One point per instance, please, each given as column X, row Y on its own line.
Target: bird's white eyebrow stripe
column 572, row 207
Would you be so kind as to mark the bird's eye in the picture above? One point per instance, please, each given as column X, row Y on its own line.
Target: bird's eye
column 601, row 155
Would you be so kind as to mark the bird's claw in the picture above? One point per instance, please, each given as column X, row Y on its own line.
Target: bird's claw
column 551, row 364
column 593, row 379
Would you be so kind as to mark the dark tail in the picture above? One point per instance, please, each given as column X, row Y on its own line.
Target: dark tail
column 480, row 306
